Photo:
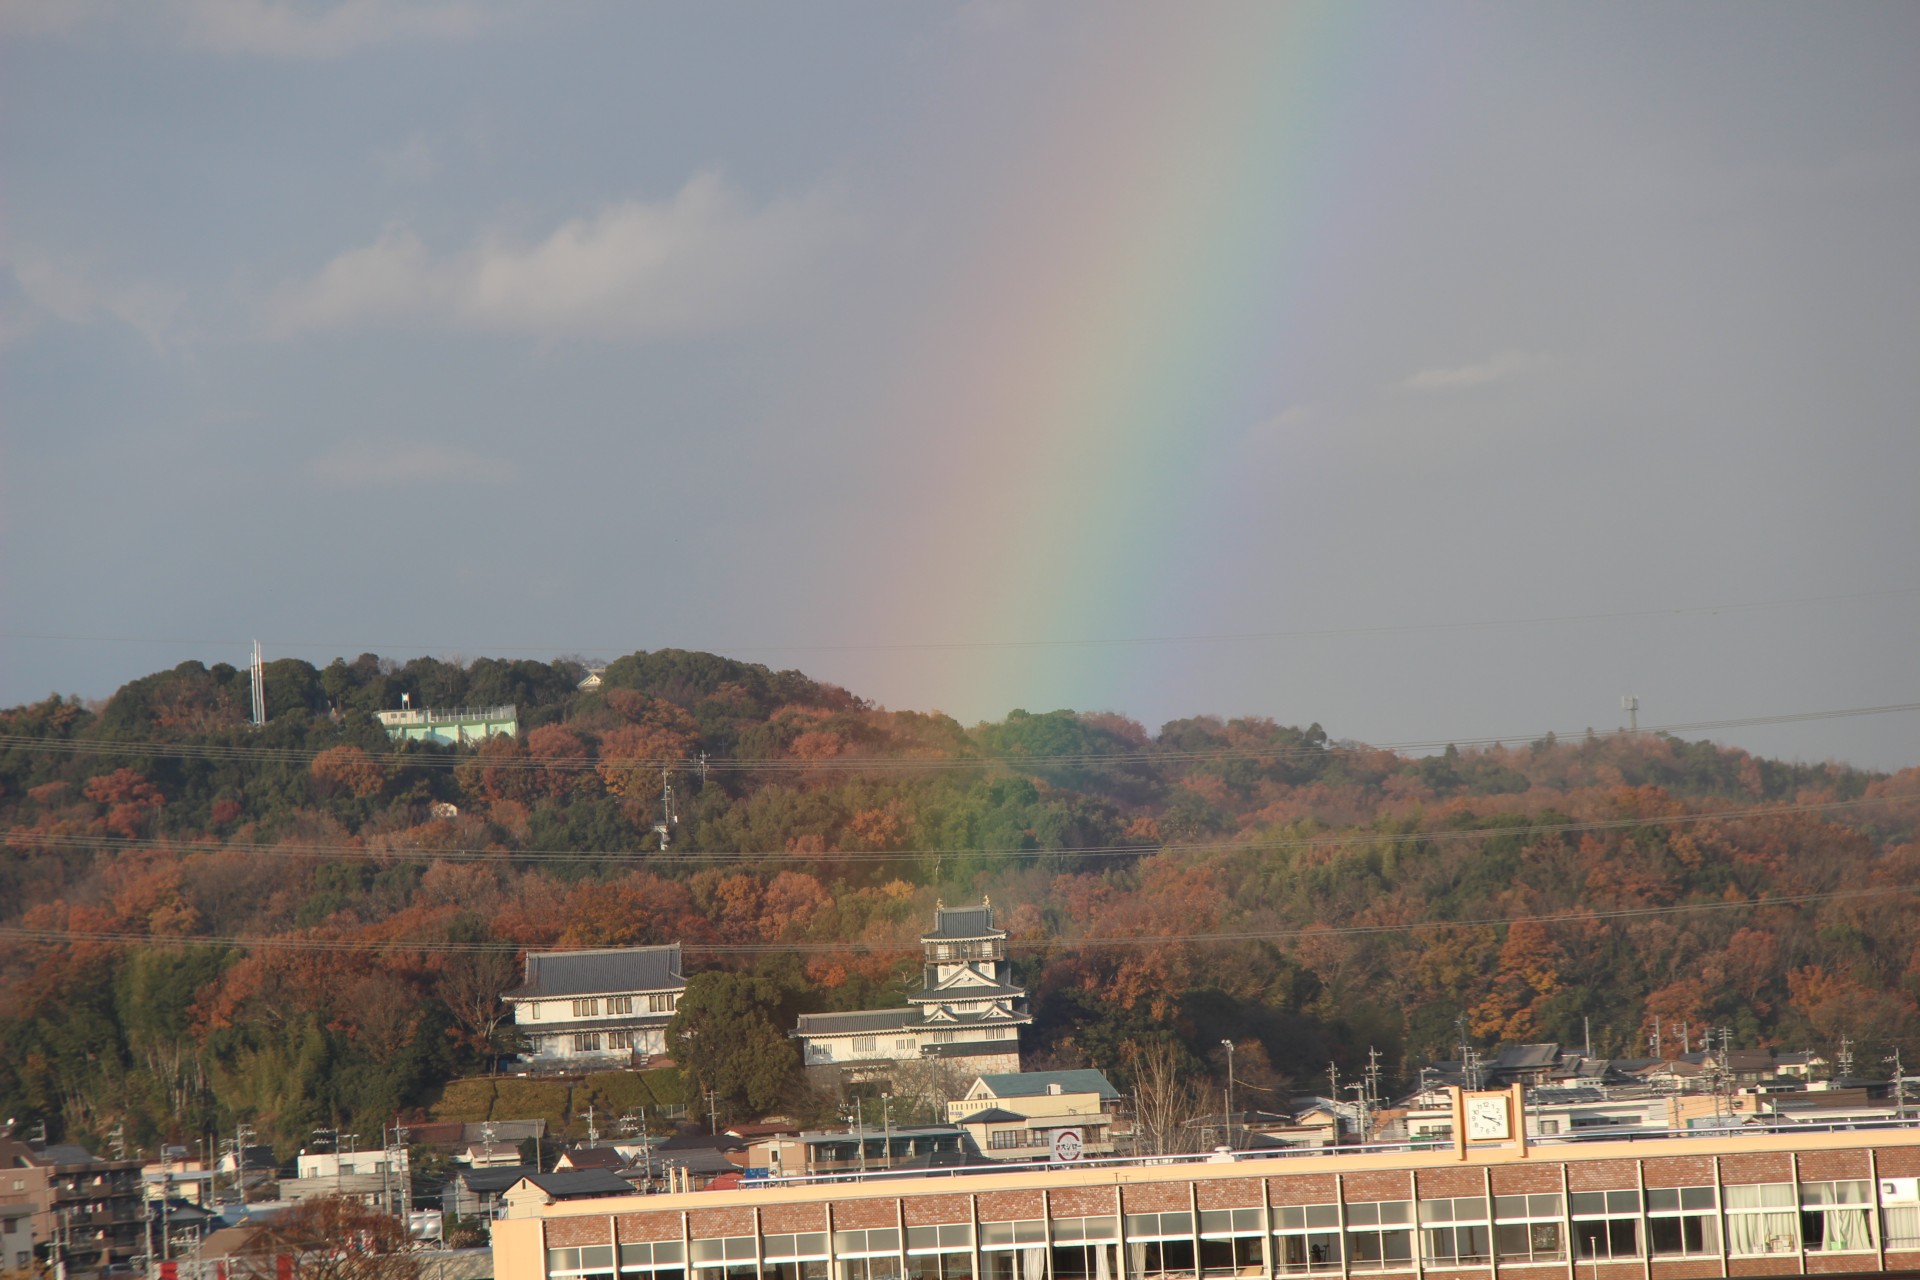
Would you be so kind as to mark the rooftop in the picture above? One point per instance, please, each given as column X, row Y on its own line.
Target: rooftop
column 1032, row 1084
column 962, row 924
column 600, row 972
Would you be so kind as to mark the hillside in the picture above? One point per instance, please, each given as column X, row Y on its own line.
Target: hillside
column 318, row 956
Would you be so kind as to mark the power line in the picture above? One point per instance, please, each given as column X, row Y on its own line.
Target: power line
column 382, row 946
column 1224, row 637
column 904, row 763
column 651, row 857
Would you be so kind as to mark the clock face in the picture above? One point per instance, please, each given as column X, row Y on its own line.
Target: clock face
column 1487, row 1117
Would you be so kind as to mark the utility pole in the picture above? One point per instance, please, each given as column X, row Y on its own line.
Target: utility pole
column 1227, row 1134
column 1899, row 1086
column 886, row 1122
column 1845, row 1058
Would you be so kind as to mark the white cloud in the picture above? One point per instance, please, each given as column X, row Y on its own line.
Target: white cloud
column 1497, row 368
column 371, row 464
column 700, row 262
column 262, row 28
column 51, row 289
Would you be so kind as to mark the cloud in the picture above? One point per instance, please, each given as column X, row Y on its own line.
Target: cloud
column 1497, row 368
column 700, row 262
column 369, row 464
column 259, row 28
column 291, row 29
column 48, row 289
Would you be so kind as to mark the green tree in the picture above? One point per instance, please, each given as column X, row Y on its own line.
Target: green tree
column 727, row 1037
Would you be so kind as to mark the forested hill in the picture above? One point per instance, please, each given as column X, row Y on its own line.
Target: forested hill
column 312, row 920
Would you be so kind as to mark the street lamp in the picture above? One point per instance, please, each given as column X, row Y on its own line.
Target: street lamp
column 1228, row 1044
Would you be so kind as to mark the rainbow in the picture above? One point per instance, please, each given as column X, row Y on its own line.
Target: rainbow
column 1149, row 265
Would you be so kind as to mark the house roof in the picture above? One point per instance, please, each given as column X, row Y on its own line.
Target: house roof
column 594, row 1158
column 992, row 1115
column 497, row 1179
column 693, row 1159
column 955, row 924
column 579, row 1184
column 967, row 991
column 1525, row 1057
column 1034, row 1084
column 611, row 969
column 969, row 1048
column 859, row 1022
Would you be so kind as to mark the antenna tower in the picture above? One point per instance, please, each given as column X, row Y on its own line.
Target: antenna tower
column 1630, row 703
column 259, row 686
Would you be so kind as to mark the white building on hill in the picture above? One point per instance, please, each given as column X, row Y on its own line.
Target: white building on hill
column 968, row 1008
column 611, row 1007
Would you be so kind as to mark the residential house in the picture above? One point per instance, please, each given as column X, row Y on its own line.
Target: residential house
column 376, row 1178
column 1022, row 1115
column 97, row 1207
column 579, row 1010
column 968, row 1010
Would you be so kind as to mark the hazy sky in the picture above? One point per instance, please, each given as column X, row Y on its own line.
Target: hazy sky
column 1332, row 363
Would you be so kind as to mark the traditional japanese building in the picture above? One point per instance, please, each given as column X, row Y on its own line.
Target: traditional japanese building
column 968, row 1008
column 602, row 1008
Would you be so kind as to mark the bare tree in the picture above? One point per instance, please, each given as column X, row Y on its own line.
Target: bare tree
column 470, row 987
column 1166, row 1099
column 338, row 1239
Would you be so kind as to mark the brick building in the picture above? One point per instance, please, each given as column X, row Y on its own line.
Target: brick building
column 1493, row 1204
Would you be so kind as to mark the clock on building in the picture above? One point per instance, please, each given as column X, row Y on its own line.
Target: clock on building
column 1488, row 1116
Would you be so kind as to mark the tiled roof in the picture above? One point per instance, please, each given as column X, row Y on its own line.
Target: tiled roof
column 859, row 1022
column 575, row 1184
column 600, row 971
column 496, row 1179
column 953, row 924
column 1033, row 1084
column 587, row 973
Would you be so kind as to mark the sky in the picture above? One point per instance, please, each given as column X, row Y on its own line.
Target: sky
column 1430, row 372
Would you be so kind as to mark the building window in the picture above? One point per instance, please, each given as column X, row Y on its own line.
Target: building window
column 802, row 1256
column 1761, row 1219
column 588, row 1008
column 1834, row 1216
column 725, row 1258
column 589, row 1260
column 1232, row 1242
column 868, row 1255
column 1160, row 1244
column 1456, row 1230
column 1681, row 1222
column 1086, row 1248
column 586, row 1042
column 903, row 1047
column 619, row 1004
column 1380, row 1235
column 1529, row 1228
column 661, row 1260
column 533, row 1010
column 660, row 1002
column 940, row 1253
column 1014, row 1250
column 1006, row 1139
column 1900, row 1226
column 620, row 1039
column 1306, row 1238
column 1606, row 1224
column 866, row 1044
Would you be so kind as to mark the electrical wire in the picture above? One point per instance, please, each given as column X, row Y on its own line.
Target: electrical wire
column 434, row 758
column 22, row 838
column 60, row 937
column 1225, row 637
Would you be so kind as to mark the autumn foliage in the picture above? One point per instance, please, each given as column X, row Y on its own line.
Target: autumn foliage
column 323, row 944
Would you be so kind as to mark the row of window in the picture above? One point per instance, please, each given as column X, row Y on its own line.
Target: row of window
column 613, row 1041
column 1011, row 1139
column 589, row 1006
column 1833, row 1217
